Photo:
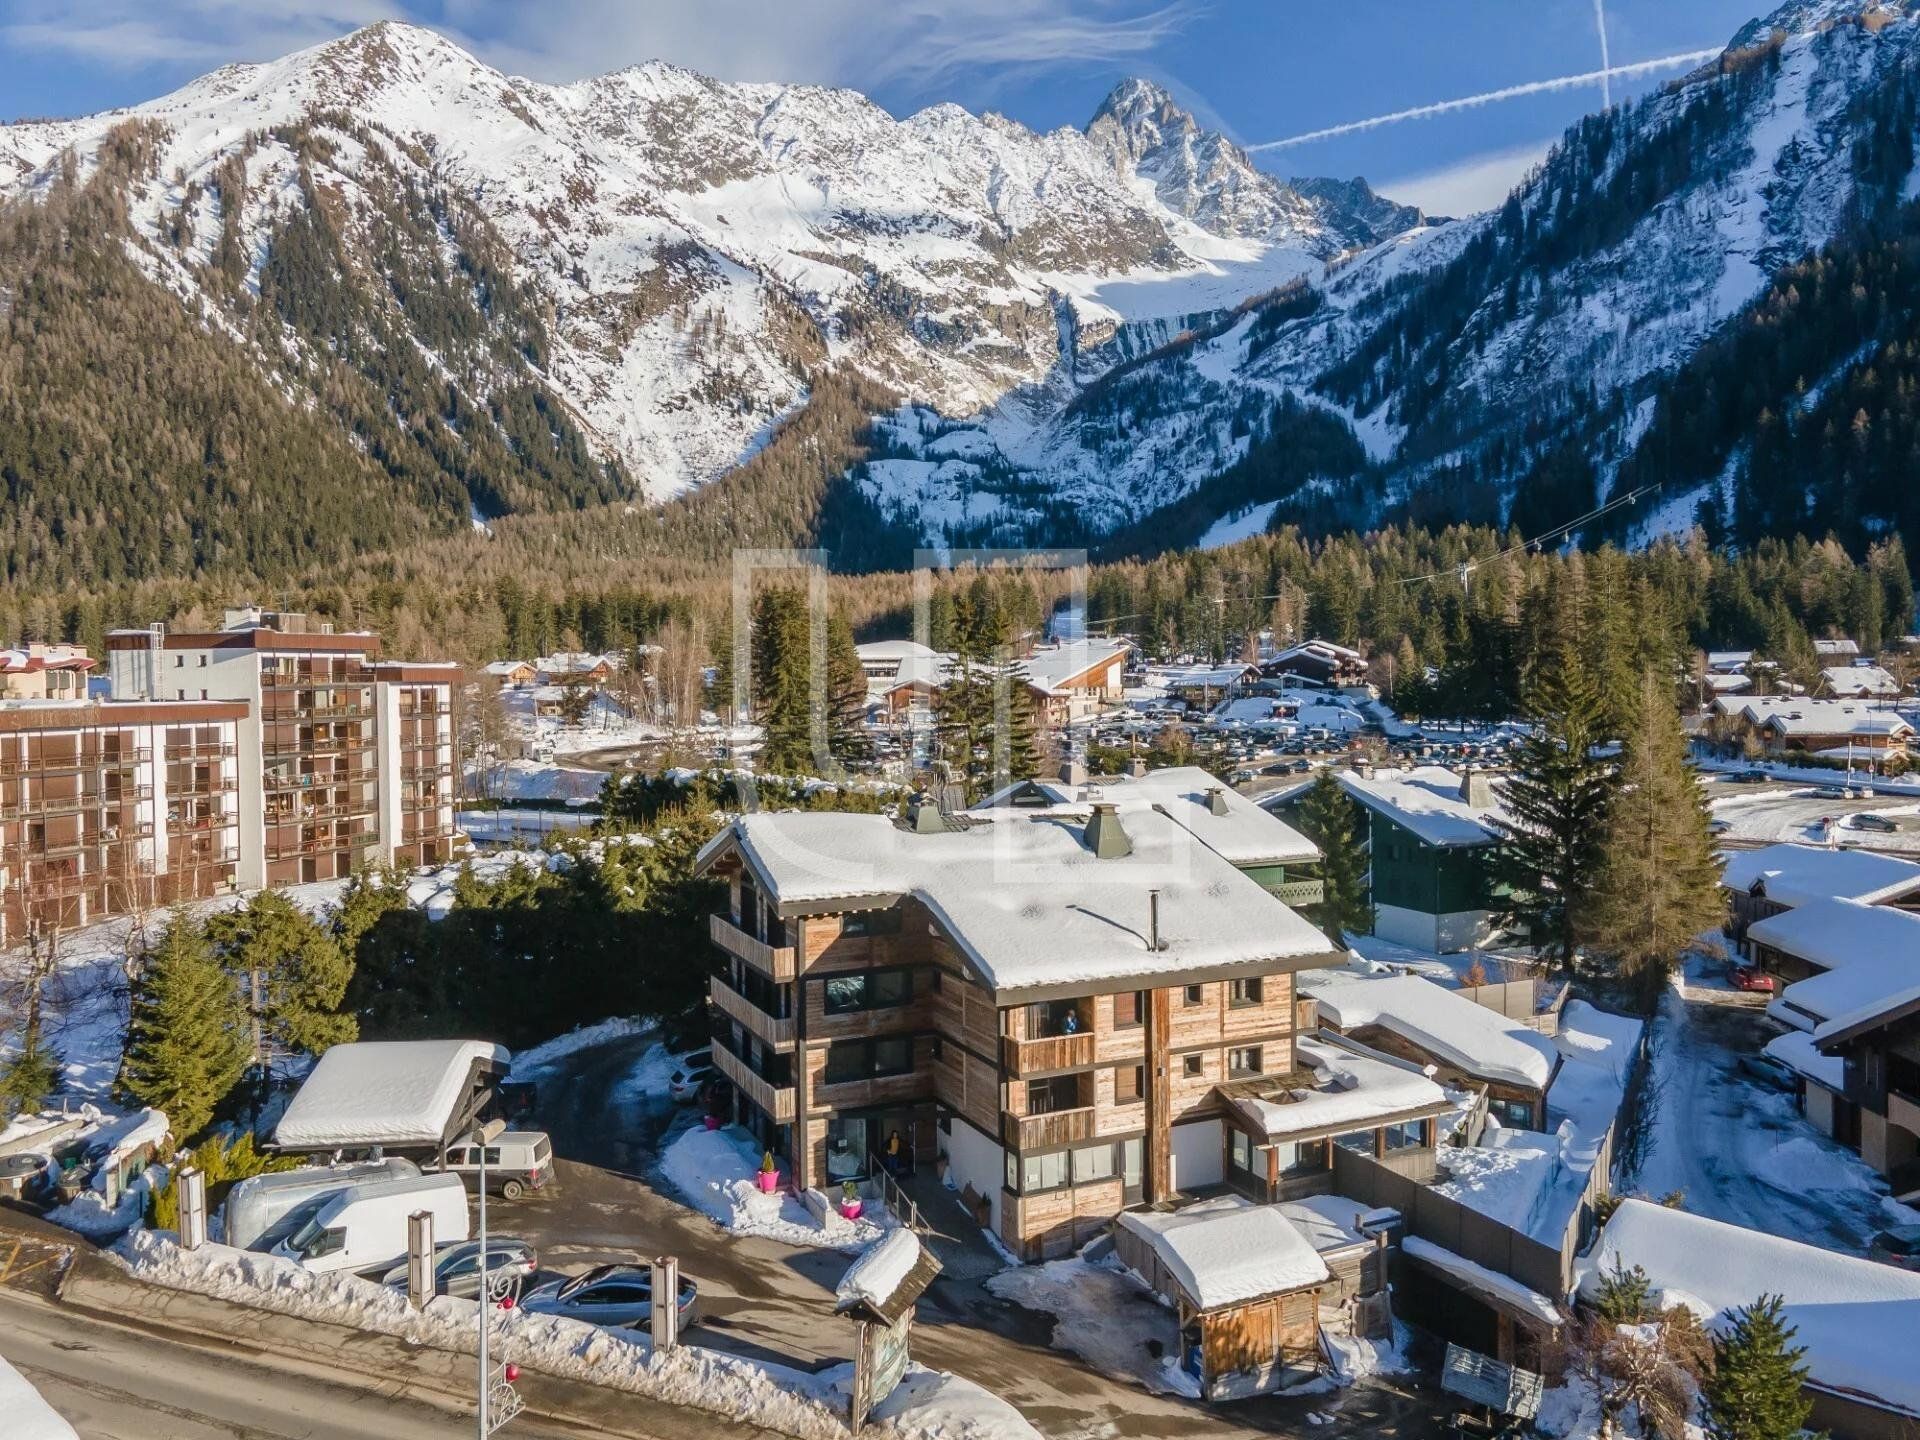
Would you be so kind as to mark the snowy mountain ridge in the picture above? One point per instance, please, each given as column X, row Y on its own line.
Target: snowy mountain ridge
column 706, row 248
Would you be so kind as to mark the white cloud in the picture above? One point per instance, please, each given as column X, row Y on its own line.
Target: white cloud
column 913, row 45
column 1468, row 185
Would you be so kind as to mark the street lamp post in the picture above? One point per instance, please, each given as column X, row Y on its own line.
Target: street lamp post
column 499, row 1401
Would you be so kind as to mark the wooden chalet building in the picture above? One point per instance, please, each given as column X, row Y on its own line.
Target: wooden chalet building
column 1049, row 1002
column 1777, row 878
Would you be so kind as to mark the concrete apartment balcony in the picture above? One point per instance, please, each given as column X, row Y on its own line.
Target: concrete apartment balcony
column 776, row 962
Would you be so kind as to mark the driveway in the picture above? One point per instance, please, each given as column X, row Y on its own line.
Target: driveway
column 773, row 1302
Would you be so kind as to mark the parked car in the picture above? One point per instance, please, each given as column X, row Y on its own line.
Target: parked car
column 1768, row 1071
column 1878, row 823
column 692, row 1072
column 1749, row 978
column 456, row 1265
column 617, row 1296
column 1834, row 792
column 517, row 1161
column 364, row 1227
column 1899, row 1246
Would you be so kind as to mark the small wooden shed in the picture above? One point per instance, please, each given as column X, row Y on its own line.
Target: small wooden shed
column 1246, row 1285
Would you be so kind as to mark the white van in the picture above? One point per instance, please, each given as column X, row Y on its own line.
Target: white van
column 517, row 1161
column 263, row 1210
column 364, row 1227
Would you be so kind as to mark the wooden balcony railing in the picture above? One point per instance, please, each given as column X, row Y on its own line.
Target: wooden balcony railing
column 771, row 1029
column 775, row 962
column 1057, row 1127
column 1050, row 1053
column 777, row 1101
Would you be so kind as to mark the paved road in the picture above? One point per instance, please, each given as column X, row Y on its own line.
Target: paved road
column 772, row 1302
column 113, row 1383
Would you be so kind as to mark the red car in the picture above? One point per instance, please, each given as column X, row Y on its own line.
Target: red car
column 1747, row 977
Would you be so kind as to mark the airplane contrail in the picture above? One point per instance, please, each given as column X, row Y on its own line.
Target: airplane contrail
column 1606, row 61
column 1512, row 92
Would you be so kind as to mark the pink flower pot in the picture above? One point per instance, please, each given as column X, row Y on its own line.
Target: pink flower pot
column 713, row 1122
column 769, row 1181
column 849, row 1209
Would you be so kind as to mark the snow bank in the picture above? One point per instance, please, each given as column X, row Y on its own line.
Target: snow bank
column 715, row 1170
column 531, row 1062
column 1106, row 1315
column 29, row 1417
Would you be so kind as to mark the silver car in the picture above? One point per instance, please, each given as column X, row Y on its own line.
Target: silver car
column 456, row 1265
column 617, row 1296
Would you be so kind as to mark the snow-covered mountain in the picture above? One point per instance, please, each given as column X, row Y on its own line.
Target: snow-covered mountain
column 1089, row 332
column 705, row 248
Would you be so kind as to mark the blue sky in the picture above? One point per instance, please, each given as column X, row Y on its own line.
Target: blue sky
column 1261, row 70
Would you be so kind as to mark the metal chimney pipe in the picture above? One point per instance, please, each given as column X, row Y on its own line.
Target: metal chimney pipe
column 1153, row 919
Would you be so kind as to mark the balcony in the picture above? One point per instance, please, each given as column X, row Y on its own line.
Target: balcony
column 442, row 771
column 210, row 785
column 317, row 845
column 1053, row 1052
column 319, row 780
column 772, row 1030
column 775, row 962
column 777, row 1101
column 1297, row 893
column 1040, row 1132
column 70, row 764
column 1904, row 1110
column 75, row 804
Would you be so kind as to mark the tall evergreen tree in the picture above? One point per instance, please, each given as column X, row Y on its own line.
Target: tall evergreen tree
column 1658, row 881
column 847, row 737
column 783, row 684
column 1755, row 1390
column 187, row 1042
column 292, row 971
column 1556, row 797
column 30, row 1074
column 963, row 710
column 1333, row 822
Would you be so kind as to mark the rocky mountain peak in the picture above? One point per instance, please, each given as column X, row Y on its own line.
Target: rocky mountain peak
column 1357, row 210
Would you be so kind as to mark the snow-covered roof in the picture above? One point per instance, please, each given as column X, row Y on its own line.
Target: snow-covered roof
column 1796, row 716
column 1329, row 1222
column 1794, row 875
column 1598, row 1049
column 1727, row 684
column 1228, row 1251
column 1353, row 1089
column 1728, row 659
column 1838, row 646
column 1320, row 650
column 507, row 667
column 1513, row 1176
column 882, row 650
column 1856, row 1319
column 878, row 1280
column 1798, row 1051
column 1427, row 801
column 1522, row 1300
column 383, row 1092
column 1026, row 899
column 1443, row 1023
column 1245, row 835
column 1869, row 1015
column 1832, row 933
column 1207, row 677
column 1859, row 680
column 1844, row 990
column 1050, row 670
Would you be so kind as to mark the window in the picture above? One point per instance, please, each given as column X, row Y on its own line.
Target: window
column 1129, row 1009
column 1513, row 1114
column 1095, row 1162
column 1192, row 1066
column 1057, row 1092
column 1196, row 994
column 1407, row 1135
column 868, row 990
column 203, row 662
column 1358, row 1141
column 847, row 1060
column 1133, row 1154
column 1246, row 992
column 1129, row 1083
column 870, row 922
column 893, row 1056
column 1244, row 1061
column 179, row 661
column 1043, row 1172
column 1302, row 1157
column 1241, row 1151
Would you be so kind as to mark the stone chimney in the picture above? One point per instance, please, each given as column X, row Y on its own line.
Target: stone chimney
column 1073, row 772
column 1216, row 800
column 1137, row 767
column 1476, row 788
column 1106, row 837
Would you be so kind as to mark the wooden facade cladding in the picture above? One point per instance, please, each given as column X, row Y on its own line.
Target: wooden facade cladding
column 1044, row 1056
column 1054, row 1223
column 824, row 1097
column 774, row 1032
column 778, row 1102
column 775, row 962
column 1049, row 1131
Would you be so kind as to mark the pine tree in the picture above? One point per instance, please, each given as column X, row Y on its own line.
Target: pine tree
column 847, row 737
column 1658, row 882
column 30, row 1075
column 302, row 970
column 1556, row 798
column 783, row 688
column 1332, row 821
column 187, row 1032
column 1755, row 1390
column 963, row 708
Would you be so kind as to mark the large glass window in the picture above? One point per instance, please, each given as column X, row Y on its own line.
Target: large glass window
column 846, row 1147
column 1407, row 1135
column 1302, row 1157
column 846, row 992
column 868, row 990
column 1358, row 1141
column 1043, row 1172
column 1056, row 1092
column 1095, row 1162
column 893, row 1056
column 1241, row 1150
column 1133, row 1156
column 1246, row 992
column 847, row 1060
column 871, row 922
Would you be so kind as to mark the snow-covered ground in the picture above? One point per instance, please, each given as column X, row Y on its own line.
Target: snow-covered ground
column 1804, row 817
column 933, row 1406
column 526, row 828
column 1735, row 1149
column 28, row 1415
column 540, row 780
column 716, row 1169
column 536, row 1060
column 1105, row 1314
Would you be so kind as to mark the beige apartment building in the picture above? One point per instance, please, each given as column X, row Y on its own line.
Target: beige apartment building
column 1066, row 1006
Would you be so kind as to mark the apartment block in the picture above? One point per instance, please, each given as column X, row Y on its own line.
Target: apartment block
column 346, row 758
column 1064, row 1005
column 106, row 808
